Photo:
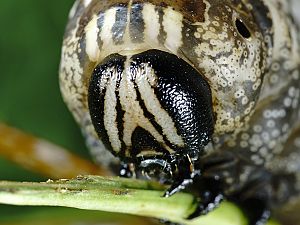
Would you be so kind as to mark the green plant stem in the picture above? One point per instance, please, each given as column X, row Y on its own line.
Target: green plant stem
column 120, row 195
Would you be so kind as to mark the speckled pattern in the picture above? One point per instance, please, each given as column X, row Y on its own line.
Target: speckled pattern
column 247, row 51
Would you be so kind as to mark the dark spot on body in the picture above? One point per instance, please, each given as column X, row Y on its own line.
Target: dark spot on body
column 136, row 23
column 242, row 29
column 193, row 10
column 118, row 29
column 162, row 33
column 163, row 4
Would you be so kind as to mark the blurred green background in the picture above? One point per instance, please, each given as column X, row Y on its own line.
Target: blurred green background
column 30, row 44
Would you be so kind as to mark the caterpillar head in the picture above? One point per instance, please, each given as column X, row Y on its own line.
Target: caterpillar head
column 150, row 105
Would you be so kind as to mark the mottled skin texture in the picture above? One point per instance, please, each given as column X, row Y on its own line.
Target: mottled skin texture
column 254, row 152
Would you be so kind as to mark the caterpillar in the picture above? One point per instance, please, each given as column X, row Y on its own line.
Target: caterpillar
column 193, row 93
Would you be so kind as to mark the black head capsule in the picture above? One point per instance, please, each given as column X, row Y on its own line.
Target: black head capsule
column 184, row 94
column 152, row 105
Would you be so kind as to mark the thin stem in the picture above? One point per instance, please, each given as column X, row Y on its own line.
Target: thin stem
column 45, row 157
column 115, row 195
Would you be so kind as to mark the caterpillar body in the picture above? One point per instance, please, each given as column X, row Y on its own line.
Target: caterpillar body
column 199, row 93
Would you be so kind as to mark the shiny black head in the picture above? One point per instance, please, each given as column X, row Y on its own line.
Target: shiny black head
column 151, row 105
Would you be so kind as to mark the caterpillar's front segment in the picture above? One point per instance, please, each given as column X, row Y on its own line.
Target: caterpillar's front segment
column 192, row 93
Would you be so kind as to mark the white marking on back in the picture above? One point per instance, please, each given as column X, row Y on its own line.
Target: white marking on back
column 92, row 48
column 127, row 47
column 108, row 23
column 151, row 20
column 172, row 23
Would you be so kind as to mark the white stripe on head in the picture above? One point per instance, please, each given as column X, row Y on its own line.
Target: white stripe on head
column 108, row 23
column 145, row 77
column 134, row 114
column 110, row 111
